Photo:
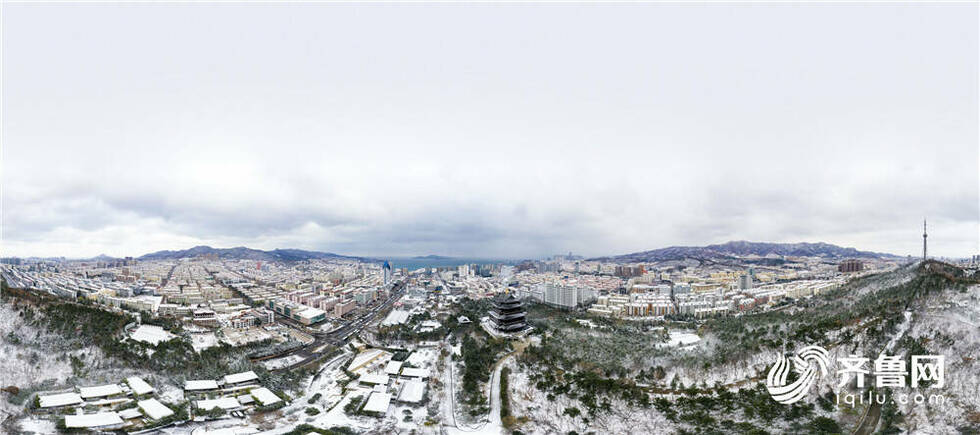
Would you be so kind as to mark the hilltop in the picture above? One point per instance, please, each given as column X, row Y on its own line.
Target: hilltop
column 243, row 253
column 745, row 248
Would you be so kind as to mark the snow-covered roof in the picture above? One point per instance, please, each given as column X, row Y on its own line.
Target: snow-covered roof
column 395, row 317
column 63, row 399
column 430, row 324
column 236, row 378
column 373, row 378
column 127, row 414
column 99, row 391
column 101, row 419
column 368, row 356
column 138, row 385
column 378, row 402
column 223, row 403
column 236, row 430
column 310, row 313
column 412, row 392
column 245, row 399
column 393, row 367
column 412, row 372
column 204, row 384
column 154, row 409
column 265, row 396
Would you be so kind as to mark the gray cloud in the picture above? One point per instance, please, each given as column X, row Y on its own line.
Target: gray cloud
column 510, row 130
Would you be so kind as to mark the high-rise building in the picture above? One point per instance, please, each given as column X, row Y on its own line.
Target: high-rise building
column 745, row 282
column 566, row 296
column 507, row 314
column 847, row 266
column 386, row 268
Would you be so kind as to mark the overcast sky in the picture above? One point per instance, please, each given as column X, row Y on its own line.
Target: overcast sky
column 488, row 130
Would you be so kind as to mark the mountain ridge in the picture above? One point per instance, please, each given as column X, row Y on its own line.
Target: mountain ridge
column 743, row 248
column 245, row 253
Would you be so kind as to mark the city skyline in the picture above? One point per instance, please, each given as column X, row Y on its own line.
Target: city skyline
column 423, row 129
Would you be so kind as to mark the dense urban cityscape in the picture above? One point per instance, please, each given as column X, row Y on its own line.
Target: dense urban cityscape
column 345, row 344
column 244, row 217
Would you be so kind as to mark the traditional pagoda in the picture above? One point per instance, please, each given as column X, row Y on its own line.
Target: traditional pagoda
column 507, row 314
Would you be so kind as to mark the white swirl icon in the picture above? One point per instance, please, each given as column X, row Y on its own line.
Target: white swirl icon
column 807, row 362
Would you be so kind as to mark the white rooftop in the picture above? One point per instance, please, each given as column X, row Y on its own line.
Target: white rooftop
column 138, row 385
column 366, row 357
column 127, row 414
column 154, row 409
column 395, row 317
column 373, row 378
column 93, row 420
column 412, row 392
column 99, row 391
column 378, row 402
column 204, row 384
column 236, row 378
column 56, row 400
column 310, row 313
column 265, row 396
column 412, row 372
column 223, row 403
column 393, row 367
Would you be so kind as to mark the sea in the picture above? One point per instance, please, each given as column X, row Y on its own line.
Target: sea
column 412, row 263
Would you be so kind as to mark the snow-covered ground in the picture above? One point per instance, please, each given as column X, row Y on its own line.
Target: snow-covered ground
column 38, row 425
column 203, row 341
column 278, row 363
column 547, row 416
column 151, row 334
column 949, row 327
column 35, row 360
column 682, row 339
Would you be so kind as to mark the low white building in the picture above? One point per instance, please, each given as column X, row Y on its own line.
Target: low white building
column 200, row 385
column 411, row 372
column 393, row 368
column 412, row 392
column 240, row 378
column 265, row 396
column 59, row 400
column 373, row 379
column 102, row 420
column 226, row 403
column 154, row 409
column 99, row 391
column 378, row 402
column 138, row 385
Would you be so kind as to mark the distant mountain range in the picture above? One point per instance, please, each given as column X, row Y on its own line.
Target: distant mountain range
column 243, row 253
column 743, row 249
column 722, row 251
column 431, row 257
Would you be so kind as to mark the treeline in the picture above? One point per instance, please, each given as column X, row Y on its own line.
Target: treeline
column 84, row 324
column 505, row 416
column 593, row 391
column 478, row 359
column 704, row 411
column 823, row 316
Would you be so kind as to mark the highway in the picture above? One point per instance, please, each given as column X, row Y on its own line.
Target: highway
column 326, row 341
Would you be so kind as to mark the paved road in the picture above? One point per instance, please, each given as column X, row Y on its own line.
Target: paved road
column 340, row 336
column 870, row 420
